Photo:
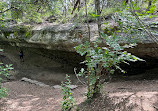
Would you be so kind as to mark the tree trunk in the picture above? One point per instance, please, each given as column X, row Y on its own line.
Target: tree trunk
column 65, row 8
column 98, row 12
column 149, row 4
column 97, row 83
column 89, row 39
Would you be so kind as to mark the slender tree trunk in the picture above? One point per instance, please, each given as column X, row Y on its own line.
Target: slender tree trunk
column 78, row 8
column 89, row 39
column 149, row 4
column 98, row 12
column 65, row 8
column 98, row 75
column 89, row 36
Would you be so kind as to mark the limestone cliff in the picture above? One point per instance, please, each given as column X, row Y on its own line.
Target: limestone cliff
column 64, row 37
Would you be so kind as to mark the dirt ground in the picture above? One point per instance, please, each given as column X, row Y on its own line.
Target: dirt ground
column 24, row 96
column 126, row 96
column 133, row 95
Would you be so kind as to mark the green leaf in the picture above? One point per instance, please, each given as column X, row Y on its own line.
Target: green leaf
column 82, row 70
column 124, row 3
column 136, row 8
column 94, row 15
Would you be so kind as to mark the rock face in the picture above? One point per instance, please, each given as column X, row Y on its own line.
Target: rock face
column 64, row 37
column 50, row 48
column 55, row 37
column 146, row 50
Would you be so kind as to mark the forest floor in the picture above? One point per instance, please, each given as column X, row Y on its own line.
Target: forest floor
column 126, row 93
column 24, row 96
column 131, row 95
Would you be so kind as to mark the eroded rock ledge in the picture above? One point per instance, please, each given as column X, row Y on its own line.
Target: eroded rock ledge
column 64, row 37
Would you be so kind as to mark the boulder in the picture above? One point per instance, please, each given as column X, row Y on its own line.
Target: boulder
column 71, row 86
column 34, row 82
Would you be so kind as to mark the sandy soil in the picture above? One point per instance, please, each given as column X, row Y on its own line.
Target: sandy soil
column 133, row 95
column 24, row 96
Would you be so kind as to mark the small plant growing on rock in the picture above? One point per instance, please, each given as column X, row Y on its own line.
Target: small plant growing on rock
column 68, row 100
column 4, row 71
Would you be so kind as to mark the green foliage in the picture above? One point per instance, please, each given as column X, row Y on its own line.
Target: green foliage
column 68, row 100
column 130, row 22
column 4, row 71
column 143, row 8
column 35, row 11
column 108, row 11
column 29, row 11
column 3, row 92
column 26, row 31
column 99, row 58
column 109, row 30
column 127, row 24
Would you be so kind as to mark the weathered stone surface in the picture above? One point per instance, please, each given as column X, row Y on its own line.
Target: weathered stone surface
column 65, row 37
column 34, row 82
column 145, row 50
column 71, row 86
column 55, row 37
column 57, row 86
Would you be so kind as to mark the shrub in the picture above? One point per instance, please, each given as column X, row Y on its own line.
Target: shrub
column 4, row 71
column 68, row 98
column 103, row 60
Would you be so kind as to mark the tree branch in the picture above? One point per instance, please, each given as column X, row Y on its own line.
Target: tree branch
column 75, row 6
column 83, row 83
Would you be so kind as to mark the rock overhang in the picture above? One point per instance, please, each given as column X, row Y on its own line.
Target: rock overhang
column 65, row 37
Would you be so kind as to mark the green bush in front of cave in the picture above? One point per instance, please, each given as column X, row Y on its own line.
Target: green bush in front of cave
column 103, row 60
